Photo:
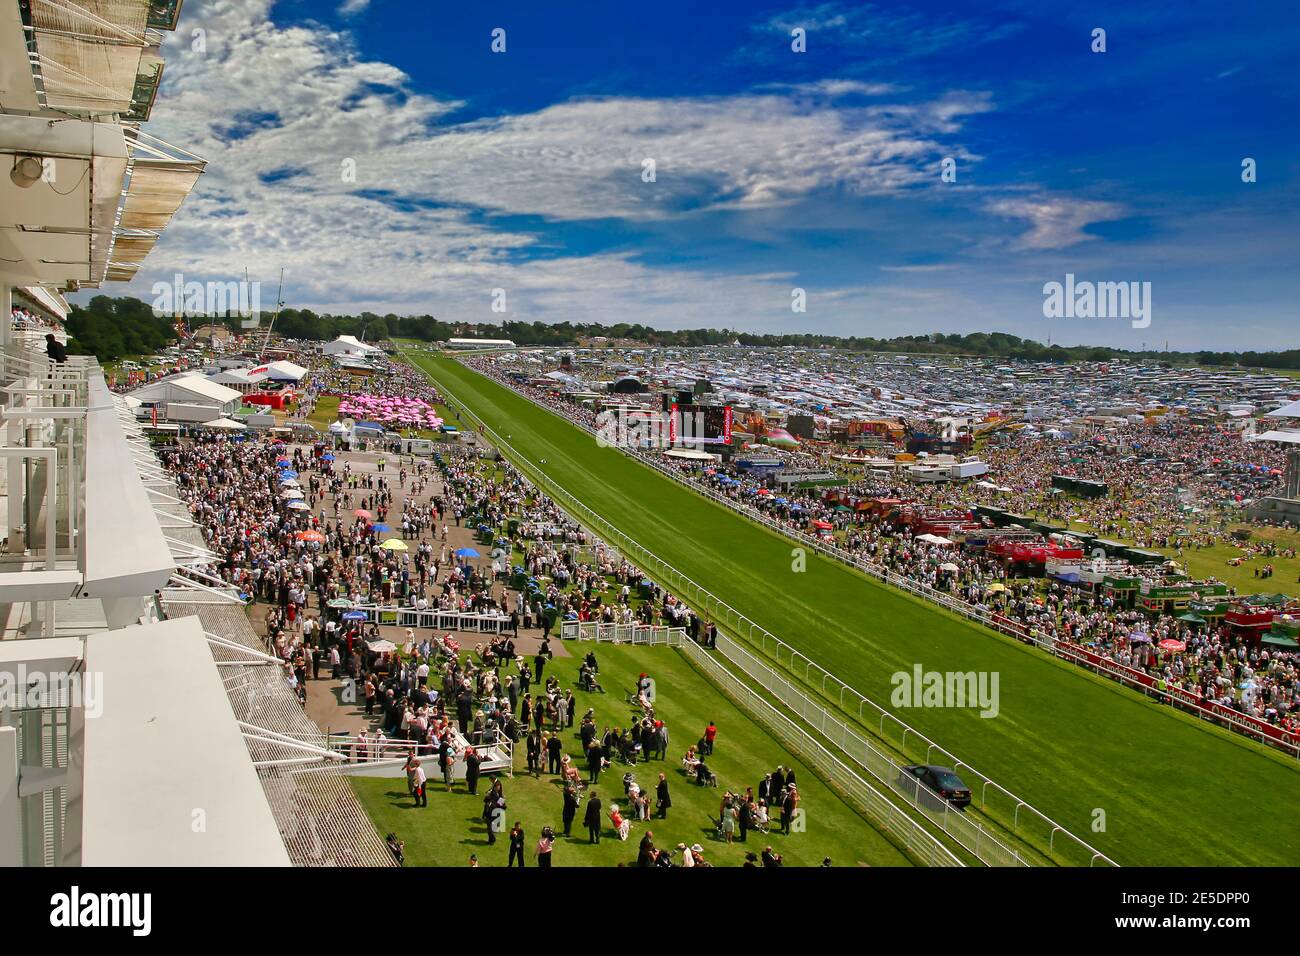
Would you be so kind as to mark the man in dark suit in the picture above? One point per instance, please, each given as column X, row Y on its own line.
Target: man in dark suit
column 554, row 750
column 516, row 845
column 534, row 754
column 472, row 760
column 591, row 819
column 570, row 808
column 464, row 709
column 662, row 797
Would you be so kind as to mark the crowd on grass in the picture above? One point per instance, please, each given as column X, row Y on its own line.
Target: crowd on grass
column 1176, row 486
column 301, row 534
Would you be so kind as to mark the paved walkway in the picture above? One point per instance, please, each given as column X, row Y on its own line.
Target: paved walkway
column 325, row 703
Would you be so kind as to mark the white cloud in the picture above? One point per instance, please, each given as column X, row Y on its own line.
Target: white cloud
column 351, row 8
column 1055, row 222
column 278, row 110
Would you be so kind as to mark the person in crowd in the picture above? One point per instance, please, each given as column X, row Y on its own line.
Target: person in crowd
column 545, row 846
column 663, row 801
column 55, row 349
column 591, row 817
column 516, row 845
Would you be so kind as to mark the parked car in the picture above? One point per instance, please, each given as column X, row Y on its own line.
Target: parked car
column 939, row 780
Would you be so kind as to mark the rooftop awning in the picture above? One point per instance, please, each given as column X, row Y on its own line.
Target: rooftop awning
column 88, row 53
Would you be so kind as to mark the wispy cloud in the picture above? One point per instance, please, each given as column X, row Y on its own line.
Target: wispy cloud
column 420, row 213
column 1055, row 222
column 885, row 34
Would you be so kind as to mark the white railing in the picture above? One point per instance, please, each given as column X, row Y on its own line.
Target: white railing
column 603, row 633
column 355, row 750
column 739, row 624
column 435, row 619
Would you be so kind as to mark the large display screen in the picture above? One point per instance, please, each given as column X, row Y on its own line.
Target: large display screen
column 700, row 425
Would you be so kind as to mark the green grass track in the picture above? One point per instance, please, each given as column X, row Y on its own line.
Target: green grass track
column 1174, row 791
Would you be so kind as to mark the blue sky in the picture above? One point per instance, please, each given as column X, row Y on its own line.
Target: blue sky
column 774, row 170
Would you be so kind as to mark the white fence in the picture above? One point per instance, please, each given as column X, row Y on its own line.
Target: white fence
column 434, row 619
column 738, row 624
column 647, row 634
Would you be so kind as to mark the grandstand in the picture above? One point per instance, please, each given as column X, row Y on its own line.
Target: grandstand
column 196, row 752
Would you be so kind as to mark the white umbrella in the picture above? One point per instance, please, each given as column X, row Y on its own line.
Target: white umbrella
column 226, row 424
column 382, row 647
column 298, row 506
column 292, row 493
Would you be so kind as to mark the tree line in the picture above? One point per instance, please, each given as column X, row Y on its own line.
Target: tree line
column 112, row 328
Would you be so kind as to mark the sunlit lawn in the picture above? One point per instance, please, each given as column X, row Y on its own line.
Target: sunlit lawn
column 447, row 831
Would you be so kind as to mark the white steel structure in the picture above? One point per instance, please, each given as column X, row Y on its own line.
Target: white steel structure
column 130, row 732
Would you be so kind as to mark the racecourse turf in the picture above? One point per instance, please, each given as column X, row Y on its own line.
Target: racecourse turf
column 1171, row 790
column 450, row 828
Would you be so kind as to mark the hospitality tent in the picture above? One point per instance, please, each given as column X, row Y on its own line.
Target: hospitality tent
column 933, row 539
column 191, row 390
column 1286, row 411
column 348, row 345
column 1288, row 436
column 689, row 454
column 225, row 424
column 285, row 371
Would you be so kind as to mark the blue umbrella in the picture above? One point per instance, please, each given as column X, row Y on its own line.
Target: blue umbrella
column 288, row 474
column 466, row 553
column 326, row 457
column 284, row 461
column 380, row 527
column 354, row 616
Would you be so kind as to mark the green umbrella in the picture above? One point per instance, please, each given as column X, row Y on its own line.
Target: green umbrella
column 341, row 603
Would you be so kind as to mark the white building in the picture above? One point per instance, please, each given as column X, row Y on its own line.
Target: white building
column 191, row 390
